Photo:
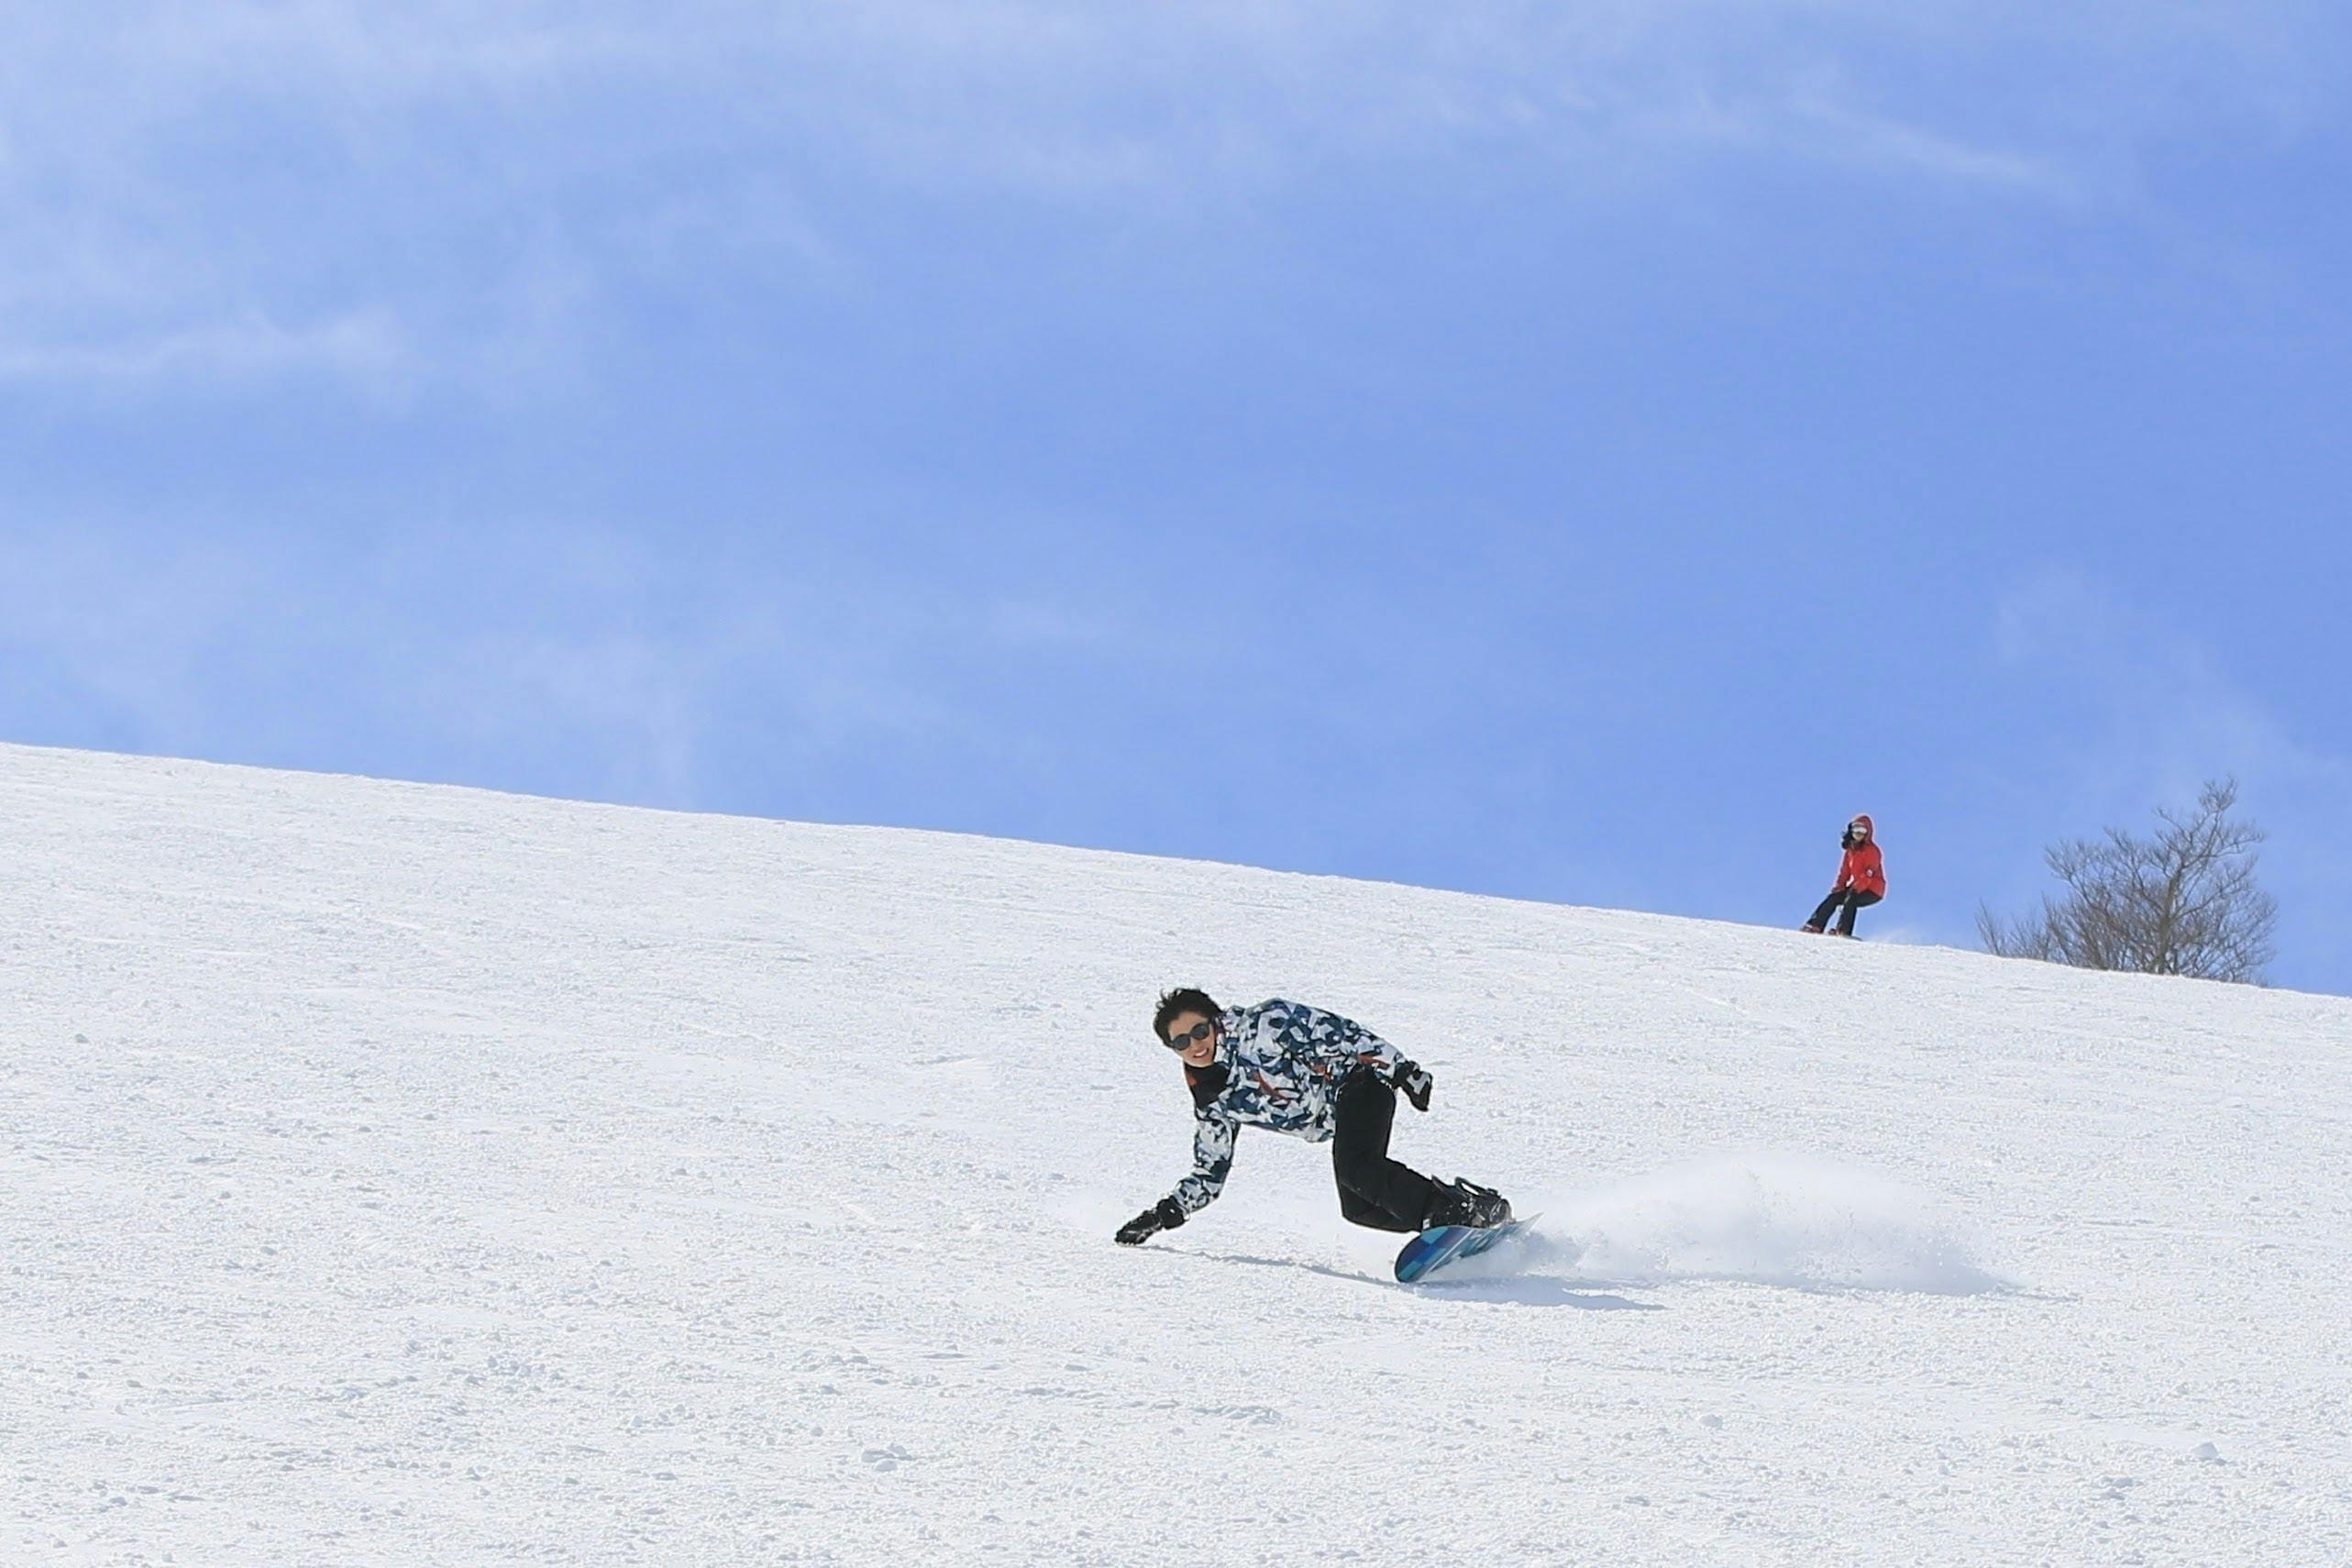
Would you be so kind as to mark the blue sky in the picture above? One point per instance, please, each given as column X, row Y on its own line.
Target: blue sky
column 1581, row 452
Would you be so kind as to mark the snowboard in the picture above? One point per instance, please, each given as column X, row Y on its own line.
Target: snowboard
column 1441, row 1244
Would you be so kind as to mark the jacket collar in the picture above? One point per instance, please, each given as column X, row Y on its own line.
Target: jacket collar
column 1206, row 1083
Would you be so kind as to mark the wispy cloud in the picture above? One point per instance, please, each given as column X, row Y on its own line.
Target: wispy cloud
column 449, row 190
column 365, row 348
column 541, row 656
column 1841, row 130
column 228, row 638
column 2173, row 716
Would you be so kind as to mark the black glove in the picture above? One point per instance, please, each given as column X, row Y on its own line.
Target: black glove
column 1164, row 1214
column 1415, row 1081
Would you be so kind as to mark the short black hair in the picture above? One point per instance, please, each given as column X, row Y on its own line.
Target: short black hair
column 1182, row 999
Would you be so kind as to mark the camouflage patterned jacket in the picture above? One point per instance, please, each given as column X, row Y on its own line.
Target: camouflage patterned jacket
column 1279, row 1066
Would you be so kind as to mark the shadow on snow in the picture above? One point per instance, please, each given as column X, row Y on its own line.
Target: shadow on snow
column 1521, row 1289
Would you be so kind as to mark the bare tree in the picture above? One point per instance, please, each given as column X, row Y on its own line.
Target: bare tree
column 2182, row 900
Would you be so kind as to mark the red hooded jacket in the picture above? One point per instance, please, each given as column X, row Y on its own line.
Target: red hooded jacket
column 1862, row 866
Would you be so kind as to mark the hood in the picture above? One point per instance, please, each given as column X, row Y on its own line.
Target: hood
column 1869, row 834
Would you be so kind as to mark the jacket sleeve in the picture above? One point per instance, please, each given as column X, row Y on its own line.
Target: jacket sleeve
column 1844, row 872
column 1212, row 1161
column 1343, row 1042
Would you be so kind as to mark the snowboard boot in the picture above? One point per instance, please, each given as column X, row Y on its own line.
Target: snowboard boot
column 1809, row 927
column 1460, row 1202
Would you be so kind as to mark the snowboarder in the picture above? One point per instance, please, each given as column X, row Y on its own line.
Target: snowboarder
column 1313, row 1074
column 1861, row 880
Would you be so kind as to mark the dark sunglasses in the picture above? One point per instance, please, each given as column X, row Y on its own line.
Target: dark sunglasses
column 1193, row 1036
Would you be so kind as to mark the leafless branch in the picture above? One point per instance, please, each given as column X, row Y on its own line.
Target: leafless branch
column 2182, row 900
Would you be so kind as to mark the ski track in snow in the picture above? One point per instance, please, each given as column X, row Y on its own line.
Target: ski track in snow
column 397, row 1175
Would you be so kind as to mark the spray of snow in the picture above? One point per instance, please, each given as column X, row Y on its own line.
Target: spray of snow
column 1770, row 1220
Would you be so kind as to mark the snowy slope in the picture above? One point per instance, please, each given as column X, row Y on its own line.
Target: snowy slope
column 398, row 1175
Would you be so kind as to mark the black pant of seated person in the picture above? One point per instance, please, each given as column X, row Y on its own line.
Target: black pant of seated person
column 1852, row 901
column 1375, row 1190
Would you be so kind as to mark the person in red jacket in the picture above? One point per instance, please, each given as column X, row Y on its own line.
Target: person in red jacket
column 1861, row 880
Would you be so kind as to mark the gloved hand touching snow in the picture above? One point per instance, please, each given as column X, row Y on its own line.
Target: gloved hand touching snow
column 1415, row 1081
column 1164, row 1214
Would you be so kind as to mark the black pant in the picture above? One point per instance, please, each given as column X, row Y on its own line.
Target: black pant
column 1375, row 1190
column 1853, row 901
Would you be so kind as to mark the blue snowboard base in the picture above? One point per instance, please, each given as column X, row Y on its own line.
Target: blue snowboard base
column 1441, row 1244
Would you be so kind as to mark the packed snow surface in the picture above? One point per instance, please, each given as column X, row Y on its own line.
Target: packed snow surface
column 394, row 1175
